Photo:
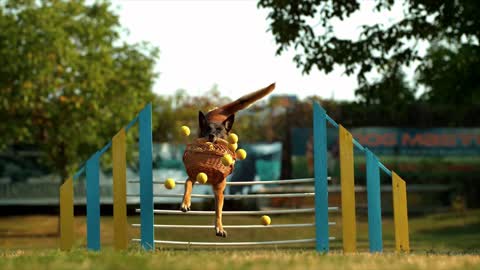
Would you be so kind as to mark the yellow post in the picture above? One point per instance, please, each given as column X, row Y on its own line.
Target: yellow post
column 119, row 190
column 348, row 190
column 400, row 213
column 66, row 215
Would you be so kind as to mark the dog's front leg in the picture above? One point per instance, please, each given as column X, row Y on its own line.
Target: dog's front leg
column 218, row 190
column 185, row 207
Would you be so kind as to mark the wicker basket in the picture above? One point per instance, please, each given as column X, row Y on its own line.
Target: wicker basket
column 207, row 158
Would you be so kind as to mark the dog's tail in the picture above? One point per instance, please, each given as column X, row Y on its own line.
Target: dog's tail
column 222, row 113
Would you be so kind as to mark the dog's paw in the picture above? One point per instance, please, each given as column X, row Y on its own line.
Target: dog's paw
column 220, row 232
column 185, row 207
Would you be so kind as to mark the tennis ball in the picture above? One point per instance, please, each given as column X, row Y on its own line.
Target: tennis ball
column 265, row 220
column 210, row 146
column 227, row 160
column 232, row 138
column 185, row 131
column 169, row 183
column 241, row 154
column 233, row 147
column 202, row 178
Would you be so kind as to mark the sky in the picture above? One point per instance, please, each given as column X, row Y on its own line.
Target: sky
column 203, row 43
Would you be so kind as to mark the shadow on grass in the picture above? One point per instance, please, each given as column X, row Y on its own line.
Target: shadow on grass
column 464, row 238
column 11, row 234
column 212, row 249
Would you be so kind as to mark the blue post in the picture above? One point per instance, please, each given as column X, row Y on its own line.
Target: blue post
column 321, row 177
column 93, row 202
column 146, row 178
column 374, row 203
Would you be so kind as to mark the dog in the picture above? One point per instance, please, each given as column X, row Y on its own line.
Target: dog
column 217, row 124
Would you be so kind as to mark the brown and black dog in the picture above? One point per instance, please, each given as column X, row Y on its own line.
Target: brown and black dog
column 217, row 124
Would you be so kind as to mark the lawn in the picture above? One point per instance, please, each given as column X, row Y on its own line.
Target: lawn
column 438, row 241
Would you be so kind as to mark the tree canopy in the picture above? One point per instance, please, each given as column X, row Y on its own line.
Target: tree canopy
column 67, row 81
column 451, row 75
column 379, row 48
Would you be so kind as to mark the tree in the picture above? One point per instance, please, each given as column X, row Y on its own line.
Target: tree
column 182, row 109
column 67, row 82
column 378, row 48
column 451, row 75
column 390, row 90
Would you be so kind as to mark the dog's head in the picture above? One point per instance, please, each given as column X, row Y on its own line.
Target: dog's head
column 214, row 130
column 218, row 122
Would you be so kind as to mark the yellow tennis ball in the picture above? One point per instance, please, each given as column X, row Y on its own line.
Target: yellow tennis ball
column 241, row 154
column 169, row 183
column 265, row 220
column 202, row 178
column 210, row 146
column 227, row 160
column 185, row 131
column 232, row 138
column 233, row 147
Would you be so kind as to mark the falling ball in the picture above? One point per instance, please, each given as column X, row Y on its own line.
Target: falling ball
column 185, row 131
column 169, row 183
column 241, row 154
column 227, row 160
column 265, row 220
column 202, row 178
column 233, row 147
column 232, row 138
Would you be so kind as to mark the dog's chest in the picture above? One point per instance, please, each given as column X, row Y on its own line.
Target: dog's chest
column 201, row 157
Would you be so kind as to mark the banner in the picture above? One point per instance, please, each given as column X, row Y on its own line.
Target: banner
column 436, row 152
column 402, row 141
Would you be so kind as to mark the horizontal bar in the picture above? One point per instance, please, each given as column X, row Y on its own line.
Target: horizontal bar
column 269, row 182
column 234, row 213
column 247, row 183
column 387, row 171
column 329, row 119
column 231, row 213
column 176, row 226
column 311, row 240
column 235, row 196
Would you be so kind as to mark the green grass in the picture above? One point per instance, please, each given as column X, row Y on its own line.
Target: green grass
column 438, row 241
column 227, row 259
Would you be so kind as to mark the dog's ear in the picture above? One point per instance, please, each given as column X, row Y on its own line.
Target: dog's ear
column 202, row 121
column 228, row 123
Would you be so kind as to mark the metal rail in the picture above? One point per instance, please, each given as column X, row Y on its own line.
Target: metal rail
column 247, row 183
column 297, row 241
column 177, row 226
column 235, row 196
column 235, row 213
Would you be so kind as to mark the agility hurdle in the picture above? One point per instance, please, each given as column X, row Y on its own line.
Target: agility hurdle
column 320, row 181
column 91, row 171
column 346, row 142
column 239, row 213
